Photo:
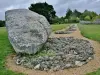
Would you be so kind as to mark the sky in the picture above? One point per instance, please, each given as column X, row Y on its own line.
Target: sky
column 60, row 6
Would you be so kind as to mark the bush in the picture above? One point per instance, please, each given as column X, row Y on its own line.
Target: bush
column 2, row 23
column 74, row 19
column 87, row 18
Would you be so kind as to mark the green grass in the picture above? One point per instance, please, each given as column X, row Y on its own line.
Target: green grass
column 94, row 73
column 59, row 26
column 5, row 50
column 91, row 31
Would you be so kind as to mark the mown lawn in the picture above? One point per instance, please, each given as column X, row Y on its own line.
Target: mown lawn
column 94, row 73
column 56, row 27
column 91, row 31
column 5, row 50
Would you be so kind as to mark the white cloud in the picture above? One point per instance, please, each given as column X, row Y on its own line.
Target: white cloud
column 97, row 0
column 9, row 8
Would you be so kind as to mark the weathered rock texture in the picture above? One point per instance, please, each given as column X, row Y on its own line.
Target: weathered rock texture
column 59, row 53
column 27, row 30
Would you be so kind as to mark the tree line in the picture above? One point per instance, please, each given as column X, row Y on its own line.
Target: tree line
column 76, row 16
column 70, row 17
column 2, row 23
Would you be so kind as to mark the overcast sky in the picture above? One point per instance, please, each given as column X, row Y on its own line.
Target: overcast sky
column 59, row 5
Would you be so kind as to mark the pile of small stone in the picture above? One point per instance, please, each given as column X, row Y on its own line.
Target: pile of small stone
column 69, row 30
column 58, row 54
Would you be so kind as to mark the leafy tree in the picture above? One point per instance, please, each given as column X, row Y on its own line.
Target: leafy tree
column 56, row 20
column 98, row 17
column 2, row 23
column 62, row 20
column 74, row 19
column 73, row 16
column 93, row 14
column 44, row 9
column 76, row 13
column 87, row 18
column 68, row 13
column 66, row 20
column 77, row 19
column 86, row 13
column 95, row 18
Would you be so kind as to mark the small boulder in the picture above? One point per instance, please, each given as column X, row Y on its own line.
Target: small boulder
column 37, row 67
column 79, row 63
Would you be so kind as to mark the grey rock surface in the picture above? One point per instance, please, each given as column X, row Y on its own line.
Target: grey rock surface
column 37, row 67
column 27, row 30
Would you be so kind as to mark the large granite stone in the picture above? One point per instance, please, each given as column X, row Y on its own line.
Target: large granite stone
column 27, row 30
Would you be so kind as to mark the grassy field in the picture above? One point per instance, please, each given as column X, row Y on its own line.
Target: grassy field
column 91, row 31
column 5, row 49
column 94, row 73
column 59, row 26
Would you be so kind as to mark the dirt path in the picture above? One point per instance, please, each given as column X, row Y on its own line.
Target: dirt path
column 93, row 65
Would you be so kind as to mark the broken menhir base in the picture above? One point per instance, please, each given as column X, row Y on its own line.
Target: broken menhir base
column 59, row 54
